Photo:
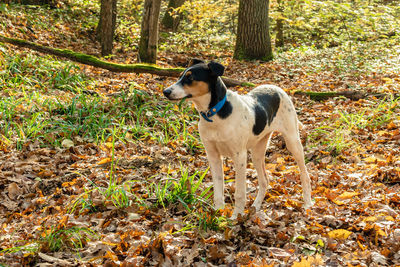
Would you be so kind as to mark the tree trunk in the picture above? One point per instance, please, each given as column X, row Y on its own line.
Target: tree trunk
column 171, row 19
column 279, row 42
column 149, row 31
column 253, row 40
column 106, row 26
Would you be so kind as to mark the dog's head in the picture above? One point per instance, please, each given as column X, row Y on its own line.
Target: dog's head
column 197, row 80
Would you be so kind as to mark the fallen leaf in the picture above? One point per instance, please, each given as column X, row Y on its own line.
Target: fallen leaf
column 347, row 195
column 339, row 234
column 14, row 191
column 67, row 143
column 104, row 161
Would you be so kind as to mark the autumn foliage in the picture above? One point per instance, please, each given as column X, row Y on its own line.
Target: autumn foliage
column 98, row 169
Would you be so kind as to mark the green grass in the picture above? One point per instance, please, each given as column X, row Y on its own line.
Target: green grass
column 31, row 247
column 115, row 193
column 38, row 111
column 184, row 192
column 74, row 238
column 55, row 239
column 170, row 192
column 341, row 133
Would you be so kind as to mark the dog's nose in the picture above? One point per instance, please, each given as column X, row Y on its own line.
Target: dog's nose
column 167, row 92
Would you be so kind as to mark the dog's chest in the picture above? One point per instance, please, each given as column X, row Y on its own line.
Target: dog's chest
column 227, row 137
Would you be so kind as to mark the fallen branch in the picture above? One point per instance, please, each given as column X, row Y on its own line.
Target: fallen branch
column 318, row 96
column 54, row 260
column 115, row 67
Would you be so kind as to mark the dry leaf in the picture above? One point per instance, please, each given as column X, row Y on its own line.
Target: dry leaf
column 339, row 234
column 14, row 191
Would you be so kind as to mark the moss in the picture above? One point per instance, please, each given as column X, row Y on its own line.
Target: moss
column 242, row 54
column 94, row 61
column 248, row 84
column 318, row 96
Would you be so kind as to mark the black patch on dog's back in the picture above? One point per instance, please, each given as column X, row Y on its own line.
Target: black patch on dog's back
column 265, row 108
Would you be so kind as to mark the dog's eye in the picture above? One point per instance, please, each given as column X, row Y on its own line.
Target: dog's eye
column 190, row 78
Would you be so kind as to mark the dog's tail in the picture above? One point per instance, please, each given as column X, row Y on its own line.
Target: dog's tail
column 300, row 125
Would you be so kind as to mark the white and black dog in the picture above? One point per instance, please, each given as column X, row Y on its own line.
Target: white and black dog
column 231, row 124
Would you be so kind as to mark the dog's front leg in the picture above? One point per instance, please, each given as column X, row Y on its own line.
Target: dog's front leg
column 217, row 173
column 240, row 162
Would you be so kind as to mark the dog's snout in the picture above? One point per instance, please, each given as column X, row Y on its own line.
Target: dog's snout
column 167, row 92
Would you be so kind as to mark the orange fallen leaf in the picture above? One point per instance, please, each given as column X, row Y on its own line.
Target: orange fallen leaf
column 347, row 195
column 339, row 234
column 302, row 263
column 104, row 161
column 68, row 184
column 385, row 252
column 370, row 219
column 361, row 246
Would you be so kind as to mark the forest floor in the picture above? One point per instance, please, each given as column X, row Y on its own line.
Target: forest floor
column 97, row 168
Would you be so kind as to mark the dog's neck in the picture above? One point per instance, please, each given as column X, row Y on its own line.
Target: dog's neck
column 217, row 93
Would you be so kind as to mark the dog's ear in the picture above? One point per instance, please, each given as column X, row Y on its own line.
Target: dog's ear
column 194, row 61
column 216, row 68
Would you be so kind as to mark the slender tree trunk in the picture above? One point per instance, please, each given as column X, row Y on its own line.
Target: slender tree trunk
column 149, row 31
column 279, row 42
column 253, row 40
column 170, row 20
column 106, row 26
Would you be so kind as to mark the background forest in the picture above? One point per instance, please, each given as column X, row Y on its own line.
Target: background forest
column 98, row 168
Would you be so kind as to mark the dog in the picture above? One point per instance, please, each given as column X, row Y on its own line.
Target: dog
column 231, row 124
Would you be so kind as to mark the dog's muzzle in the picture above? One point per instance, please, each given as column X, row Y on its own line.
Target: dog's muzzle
column 176, row 92
column 167, row 92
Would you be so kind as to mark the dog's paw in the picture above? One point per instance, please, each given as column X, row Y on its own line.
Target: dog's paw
column 219, row 205
column 308, row 204
column 237, row 214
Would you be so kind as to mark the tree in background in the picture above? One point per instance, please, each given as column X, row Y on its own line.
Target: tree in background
column 171, row 17
column 279, row 42
column 106, row 26
column 149, row 31
column 253, row 40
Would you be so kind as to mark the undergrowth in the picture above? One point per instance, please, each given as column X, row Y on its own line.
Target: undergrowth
column 341, row 131
column 51, row 106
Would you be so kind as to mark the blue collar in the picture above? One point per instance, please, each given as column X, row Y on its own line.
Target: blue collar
column 214, row 110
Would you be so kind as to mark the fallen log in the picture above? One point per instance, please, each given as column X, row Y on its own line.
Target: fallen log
column 111, row 66
column 154, row 69
column 318, row 96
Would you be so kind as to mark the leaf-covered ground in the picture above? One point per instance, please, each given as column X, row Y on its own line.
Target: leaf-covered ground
column 97, row 168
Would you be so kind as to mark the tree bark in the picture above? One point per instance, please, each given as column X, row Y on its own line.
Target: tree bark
column 170, row 20
column 106, row 26
column 95, row 62
column 149, row 31
column 253, row 40
column 279, row 42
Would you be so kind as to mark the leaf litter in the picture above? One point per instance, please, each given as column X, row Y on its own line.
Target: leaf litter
column 56, row 208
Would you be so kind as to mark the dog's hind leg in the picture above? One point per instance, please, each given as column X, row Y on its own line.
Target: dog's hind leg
column 293, row 143
column 240, row 162
column 217, row 173
column 258, row 156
